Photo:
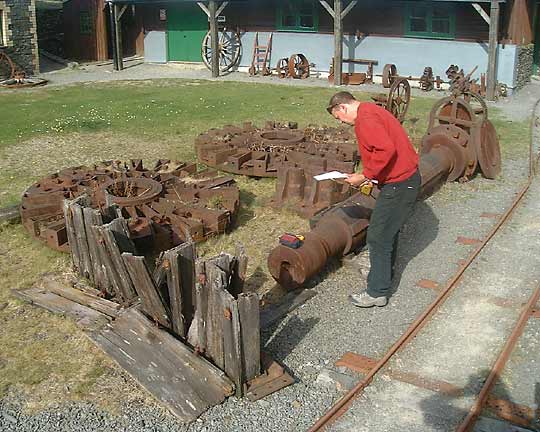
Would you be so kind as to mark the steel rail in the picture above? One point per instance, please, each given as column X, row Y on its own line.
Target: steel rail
column 343, row 404
column 500, row 363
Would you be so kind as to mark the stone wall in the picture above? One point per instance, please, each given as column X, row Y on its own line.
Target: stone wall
column 20, row 34
column 50, row 29
column 524, row 65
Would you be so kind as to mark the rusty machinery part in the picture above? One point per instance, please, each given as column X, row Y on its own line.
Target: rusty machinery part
column 299, row 191
column 166, row 205
column 426, row 80
column 399, row 98
column 282, row 67
column 446, row 153
column 13, row 77
column 261, row 152
column 298, row 66
column 488, row 150
column 229, row 49
column 389, row 75
column 456, row 110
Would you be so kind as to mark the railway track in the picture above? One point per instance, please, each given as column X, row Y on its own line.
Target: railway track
column 373, row 369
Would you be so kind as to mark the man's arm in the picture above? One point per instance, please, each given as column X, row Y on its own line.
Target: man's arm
column 374, row 137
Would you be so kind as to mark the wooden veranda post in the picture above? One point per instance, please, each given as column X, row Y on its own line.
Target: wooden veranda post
column 492, row 50
column 338, row 42
column 118, row 12
column 212, row 7
column 113, row 35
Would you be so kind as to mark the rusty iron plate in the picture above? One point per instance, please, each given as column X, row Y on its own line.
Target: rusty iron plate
column 520, row 415
column 166, row 205
column 428, row 284
column 468, row 241
column 273, row 378
column 262, row 152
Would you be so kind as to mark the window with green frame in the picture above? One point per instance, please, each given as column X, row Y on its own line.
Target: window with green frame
column 430, row 19
column 297, row 15
column 86, row 24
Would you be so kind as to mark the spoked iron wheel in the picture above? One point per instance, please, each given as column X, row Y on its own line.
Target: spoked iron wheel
column 298, row 66
column 229, row 48
column 399, row 98
column 389, row 75
column 282, row 67
column 7, row 67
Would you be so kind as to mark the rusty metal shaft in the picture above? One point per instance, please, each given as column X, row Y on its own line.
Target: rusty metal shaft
column 343, row 229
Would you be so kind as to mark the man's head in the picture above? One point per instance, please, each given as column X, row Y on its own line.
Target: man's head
column 343, row 107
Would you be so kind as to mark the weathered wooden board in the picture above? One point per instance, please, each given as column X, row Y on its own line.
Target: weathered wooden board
column 85, row 260
column 231, row 341
column 290, row 302
column 186, row 383
column 152, row 302
column 197, row 330
column 63, row 289
column 87, row 318
column 92, row 217
column 181, row 286
column 239, row 271
column 248, row 308
column 111, row 234
column 70, row 230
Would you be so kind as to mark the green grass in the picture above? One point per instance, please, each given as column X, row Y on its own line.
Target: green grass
column 46, row 129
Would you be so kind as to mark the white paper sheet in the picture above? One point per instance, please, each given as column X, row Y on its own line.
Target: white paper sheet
column 330, row 175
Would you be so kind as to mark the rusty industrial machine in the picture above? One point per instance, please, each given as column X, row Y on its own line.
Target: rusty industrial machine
column 261, row 152
column 460, row 138
column 166, row 205
column 12, row 76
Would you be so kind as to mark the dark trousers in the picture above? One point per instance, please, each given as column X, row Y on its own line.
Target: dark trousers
column 393, row 207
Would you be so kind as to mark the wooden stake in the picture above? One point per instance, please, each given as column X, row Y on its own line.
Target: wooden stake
column 338, row 42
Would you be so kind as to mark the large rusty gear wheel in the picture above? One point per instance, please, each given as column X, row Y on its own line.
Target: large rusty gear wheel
column 166, row 205
column 262, row 152
column 298, row 66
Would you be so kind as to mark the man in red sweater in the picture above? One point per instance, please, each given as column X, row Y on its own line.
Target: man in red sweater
column 390, row 161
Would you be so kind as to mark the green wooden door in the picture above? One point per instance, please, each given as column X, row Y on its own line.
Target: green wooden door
column 186, row 27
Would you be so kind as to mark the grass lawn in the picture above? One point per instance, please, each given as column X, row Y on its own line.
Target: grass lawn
column 43, row 130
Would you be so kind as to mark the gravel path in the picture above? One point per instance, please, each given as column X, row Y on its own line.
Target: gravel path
column 312, row 338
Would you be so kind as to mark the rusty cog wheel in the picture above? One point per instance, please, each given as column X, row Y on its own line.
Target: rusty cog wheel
column 165, row 205
column 489, row 151
column 399, row 98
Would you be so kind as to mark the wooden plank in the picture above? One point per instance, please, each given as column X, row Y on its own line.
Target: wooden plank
column 70, row 230
column 248, row 309
column 181, row 286
column 289, row 303
column 85, row 261
column 214, row 325
column 110, row 235
column 481, row 12
column 239, row 271
column 113, row 276
column 63, row 289
column 87, row 318
column 183, row 381
column 92, row 218
column 152, row 302
column 160, row 275
column 338, row 42
column 231, row 341
column 197, row 330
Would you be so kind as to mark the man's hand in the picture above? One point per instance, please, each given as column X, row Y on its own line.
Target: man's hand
column 355, row 179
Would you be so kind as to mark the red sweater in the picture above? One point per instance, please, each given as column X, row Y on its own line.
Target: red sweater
column 386, row 151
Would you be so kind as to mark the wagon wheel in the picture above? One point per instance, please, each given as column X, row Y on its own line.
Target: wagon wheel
column 229, row 48
column 399, row 98
column 453, row 110
column 282, row 67
column 389, row 75
column 299, row 66
column 488, row 150
column 7, row 67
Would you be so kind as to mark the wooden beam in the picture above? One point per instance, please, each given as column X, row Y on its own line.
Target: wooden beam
column 328, row 8
column 481, row 11
column 348, row 8
column 492, row 50
column 212, row 7
column 204, row 8
column 338, row 42
column 118, row 38
column 121, row 12
column 221, row 7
